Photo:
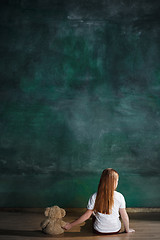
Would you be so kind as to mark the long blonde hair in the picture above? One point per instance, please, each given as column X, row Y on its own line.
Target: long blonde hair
column 104, row 199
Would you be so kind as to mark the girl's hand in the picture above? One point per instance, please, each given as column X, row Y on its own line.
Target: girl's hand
column 130, row 230
column 67, row 226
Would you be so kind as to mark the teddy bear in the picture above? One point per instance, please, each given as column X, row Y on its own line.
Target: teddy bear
column 53, row 224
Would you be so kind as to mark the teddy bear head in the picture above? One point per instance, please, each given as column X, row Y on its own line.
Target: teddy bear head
column 55, row 212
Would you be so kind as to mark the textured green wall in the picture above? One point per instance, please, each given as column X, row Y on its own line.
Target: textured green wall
column 80, row 92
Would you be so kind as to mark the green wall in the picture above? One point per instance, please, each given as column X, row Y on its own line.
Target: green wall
column 80, row 92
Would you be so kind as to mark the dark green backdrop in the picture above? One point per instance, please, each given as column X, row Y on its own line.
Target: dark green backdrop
column 80, row 92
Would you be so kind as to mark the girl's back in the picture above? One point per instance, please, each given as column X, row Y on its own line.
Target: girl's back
column 106, row 223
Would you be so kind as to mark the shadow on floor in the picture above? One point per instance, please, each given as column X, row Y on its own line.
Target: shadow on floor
column 39, row 234
column 81, row 231
column 24, row 233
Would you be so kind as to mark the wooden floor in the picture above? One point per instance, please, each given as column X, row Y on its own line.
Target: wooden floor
column 25, row 225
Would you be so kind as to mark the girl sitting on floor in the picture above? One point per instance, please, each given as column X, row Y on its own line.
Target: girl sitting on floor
column 106, row 205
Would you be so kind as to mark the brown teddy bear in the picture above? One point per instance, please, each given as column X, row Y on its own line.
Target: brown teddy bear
column 53, row 224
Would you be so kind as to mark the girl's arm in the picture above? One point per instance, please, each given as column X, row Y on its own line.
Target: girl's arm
column 125, row 220
column 83, row 218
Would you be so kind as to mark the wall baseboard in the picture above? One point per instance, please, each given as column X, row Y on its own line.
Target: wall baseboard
column 77, row 210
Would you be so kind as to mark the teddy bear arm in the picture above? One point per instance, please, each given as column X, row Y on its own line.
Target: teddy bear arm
column 63, row 223
column 44, row 223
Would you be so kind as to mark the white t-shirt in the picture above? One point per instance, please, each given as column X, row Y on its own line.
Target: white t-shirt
column 106, row 223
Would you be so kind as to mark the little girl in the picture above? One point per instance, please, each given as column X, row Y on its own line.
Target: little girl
column 106, row 205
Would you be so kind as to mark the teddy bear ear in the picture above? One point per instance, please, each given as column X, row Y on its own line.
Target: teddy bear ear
column 46, row 213
column 63, row 212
